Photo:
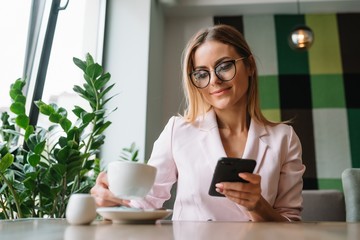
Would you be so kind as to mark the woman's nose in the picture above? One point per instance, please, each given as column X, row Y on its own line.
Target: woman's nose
column 214, row 79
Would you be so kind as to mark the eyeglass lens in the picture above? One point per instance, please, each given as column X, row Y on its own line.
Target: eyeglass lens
column 225, row 71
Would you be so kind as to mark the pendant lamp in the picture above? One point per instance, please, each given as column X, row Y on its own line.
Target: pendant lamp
column 301, row 37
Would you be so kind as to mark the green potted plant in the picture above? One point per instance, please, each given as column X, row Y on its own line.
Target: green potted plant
column 38, row 176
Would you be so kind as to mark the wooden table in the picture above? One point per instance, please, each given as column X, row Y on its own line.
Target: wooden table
column 39, row 229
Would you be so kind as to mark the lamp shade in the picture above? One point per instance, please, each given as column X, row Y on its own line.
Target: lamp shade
column 301, row 38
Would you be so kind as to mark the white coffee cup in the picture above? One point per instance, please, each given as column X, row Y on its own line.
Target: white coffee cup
column 81, row 209
column 130, row 180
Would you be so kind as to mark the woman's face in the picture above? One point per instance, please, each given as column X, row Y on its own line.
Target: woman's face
column 229, row 95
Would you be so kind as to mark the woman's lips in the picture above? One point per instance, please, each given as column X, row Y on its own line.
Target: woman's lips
column 220, row 91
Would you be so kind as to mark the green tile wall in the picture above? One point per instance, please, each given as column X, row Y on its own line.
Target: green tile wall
column 318, row 89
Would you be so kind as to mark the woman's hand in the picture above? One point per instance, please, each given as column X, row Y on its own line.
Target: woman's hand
column 249, row 196
column 245, row 194
column 103, row 196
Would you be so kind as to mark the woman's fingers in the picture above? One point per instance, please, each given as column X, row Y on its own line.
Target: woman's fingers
column 251, row 178
column 102, row 180
column 252, row 186
column 103, row 196
column 246, row 194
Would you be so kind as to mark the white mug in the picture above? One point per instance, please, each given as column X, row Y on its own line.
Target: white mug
column 81, row 209
column 130, row 180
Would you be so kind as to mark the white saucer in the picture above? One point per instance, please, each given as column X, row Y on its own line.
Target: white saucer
column 132, row 215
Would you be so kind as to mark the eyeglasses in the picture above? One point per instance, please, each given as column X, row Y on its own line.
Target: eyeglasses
column 225, row 71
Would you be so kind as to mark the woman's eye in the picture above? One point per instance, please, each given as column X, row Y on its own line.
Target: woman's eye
column 200, row 75
column 224, row 67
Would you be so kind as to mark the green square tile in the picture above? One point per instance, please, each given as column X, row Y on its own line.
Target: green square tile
column 324, row 54
column 354, row 132
column 289, row 61
column 269, row 92
column 330, row 183
column 272, row 114
column 327, row 91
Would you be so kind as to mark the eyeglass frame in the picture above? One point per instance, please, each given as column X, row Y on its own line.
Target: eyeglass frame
column 214, row 70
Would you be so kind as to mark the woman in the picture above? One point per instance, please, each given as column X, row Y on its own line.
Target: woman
column 222, row 118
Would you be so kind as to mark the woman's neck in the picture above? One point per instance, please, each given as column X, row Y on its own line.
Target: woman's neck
column 234, row 121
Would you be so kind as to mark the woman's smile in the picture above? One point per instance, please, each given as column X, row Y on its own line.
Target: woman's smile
column 220, row 91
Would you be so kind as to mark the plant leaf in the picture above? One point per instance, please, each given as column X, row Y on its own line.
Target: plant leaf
column 6, row 161
column 81, row 64
column 65, row 124
column 79, row 90
column 63, row 141
column 102, row 81
column 19, row 84
column 14, row 93
column 34, row 159
column 45, row 190
column 22, row 121
column 78, row 110
column 63, row 154
column 90, row 91
column 39, row 148
column 62, row 112
column 94, row 70
column 20, row 99
column 3, row 149
column 73, row 169
column 104, row 102
column 29, row 130
column 59, row 168
column 102, row 128
column 89, row 59
column 17, row 108
column 88, row 79
column 55, row 117
column 98, row 141
column 44, row 108
column 73, row 134
column 87, row 117
column 29, row 183
column 102, row 94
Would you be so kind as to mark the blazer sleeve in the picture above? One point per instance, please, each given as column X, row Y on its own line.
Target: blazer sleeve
column 289, row 199
column 166, row 175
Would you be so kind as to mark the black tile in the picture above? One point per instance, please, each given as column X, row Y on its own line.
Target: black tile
column 235, row 21
column 352, row 90
column 349, row 36
column 295, row 92
column 302, row 122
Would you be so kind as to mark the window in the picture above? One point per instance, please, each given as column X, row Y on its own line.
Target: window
column 79, row 30
column 14, row 21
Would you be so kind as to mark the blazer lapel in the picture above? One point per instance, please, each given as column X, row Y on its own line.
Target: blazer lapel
column 210, row 140
column 256, row 144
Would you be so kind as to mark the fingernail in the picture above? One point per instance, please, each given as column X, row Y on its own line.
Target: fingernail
column 242, row 175
column 219, row 185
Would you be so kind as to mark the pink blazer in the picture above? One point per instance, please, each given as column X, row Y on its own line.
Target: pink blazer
column 187, row 153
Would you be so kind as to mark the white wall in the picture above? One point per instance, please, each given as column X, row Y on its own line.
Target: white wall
column 178, row 31
column 155, row 99
column 143, row 53
column 126, row 56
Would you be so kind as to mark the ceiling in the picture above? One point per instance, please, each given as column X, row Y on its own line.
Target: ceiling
column 246, row 7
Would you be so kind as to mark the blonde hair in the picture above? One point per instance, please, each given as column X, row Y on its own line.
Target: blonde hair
column 195, row 103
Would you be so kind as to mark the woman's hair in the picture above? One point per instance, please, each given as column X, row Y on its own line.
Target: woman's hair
column 195, row 103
